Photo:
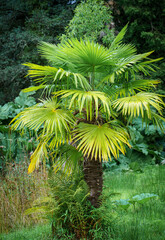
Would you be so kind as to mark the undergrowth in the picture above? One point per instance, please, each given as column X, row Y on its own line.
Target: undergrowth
column 18, row 190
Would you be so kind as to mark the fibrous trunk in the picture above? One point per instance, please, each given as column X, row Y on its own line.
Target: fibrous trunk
column 93, row 175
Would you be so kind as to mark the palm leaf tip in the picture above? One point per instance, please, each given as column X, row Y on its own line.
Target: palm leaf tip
column 39, row 154
column 101, row 141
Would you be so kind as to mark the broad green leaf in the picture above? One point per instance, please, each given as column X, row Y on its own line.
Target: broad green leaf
column 143, row 197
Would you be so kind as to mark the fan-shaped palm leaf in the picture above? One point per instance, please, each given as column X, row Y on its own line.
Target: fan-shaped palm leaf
column 46, row 115
column 88, row 99
column 81, row 55
column 47, row 75
column 138, row 104
column 100, row 142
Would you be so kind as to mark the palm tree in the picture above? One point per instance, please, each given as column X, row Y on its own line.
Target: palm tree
column 92, row 95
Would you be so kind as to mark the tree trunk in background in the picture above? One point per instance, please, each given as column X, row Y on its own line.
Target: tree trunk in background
column 93, row 175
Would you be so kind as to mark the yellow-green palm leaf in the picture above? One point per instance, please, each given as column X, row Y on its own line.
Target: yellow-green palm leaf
column 39, row 154
column 46, row 116
column 101, row 141
column 138, row 104
column 87, row 99
column 47, row 75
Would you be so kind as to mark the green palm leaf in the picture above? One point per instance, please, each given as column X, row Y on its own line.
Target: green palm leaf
column 100, row 142
column 87, row 99
column 81, row 55
column 118, row 40
column 47, row 75
column 138, row 104
column 41, row 73
column 46, row 116
column 130, row 88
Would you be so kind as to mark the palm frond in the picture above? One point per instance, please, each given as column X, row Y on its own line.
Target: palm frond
column 50, row 52
column 100, row 142
column 68, row 161
column 81, row 55
column 46, row 115
column 87, row 99
column 39, row 154
column 157, row 120
column 127, row 63
column 130, row 88
column 47, row 75
column 41, row 74
column 119, row 38
column 34, row 88
column 137, row 105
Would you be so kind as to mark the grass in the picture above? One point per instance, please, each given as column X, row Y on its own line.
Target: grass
column 18, row 190
column 139, row 222
column 40, row 232
column 144, row 221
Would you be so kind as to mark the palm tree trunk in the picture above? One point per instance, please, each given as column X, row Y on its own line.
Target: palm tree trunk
column 93, row 175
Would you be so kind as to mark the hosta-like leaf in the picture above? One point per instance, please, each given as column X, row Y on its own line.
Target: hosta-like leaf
column 122, row 203
column 143, row 197
column 100, row 142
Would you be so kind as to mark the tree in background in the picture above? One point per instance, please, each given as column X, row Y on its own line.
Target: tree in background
column 94, row 98
column 92, row 20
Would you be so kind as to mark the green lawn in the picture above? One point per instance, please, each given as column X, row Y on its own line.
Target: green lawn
column 33, row 233
column 144, row 221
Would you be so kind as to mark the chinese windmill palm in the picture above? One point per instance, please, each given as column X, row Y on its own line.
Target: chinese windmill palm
column 94, row 86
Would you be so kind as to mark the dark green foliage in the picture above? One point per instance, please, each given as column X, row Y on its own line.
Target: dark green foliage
column 146, row 26
column 145, row 19
column 23, row 24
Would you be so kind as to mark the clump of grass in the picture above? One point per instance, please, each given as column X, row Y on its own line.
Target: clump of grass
column 18, row 190
column 142, row 221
